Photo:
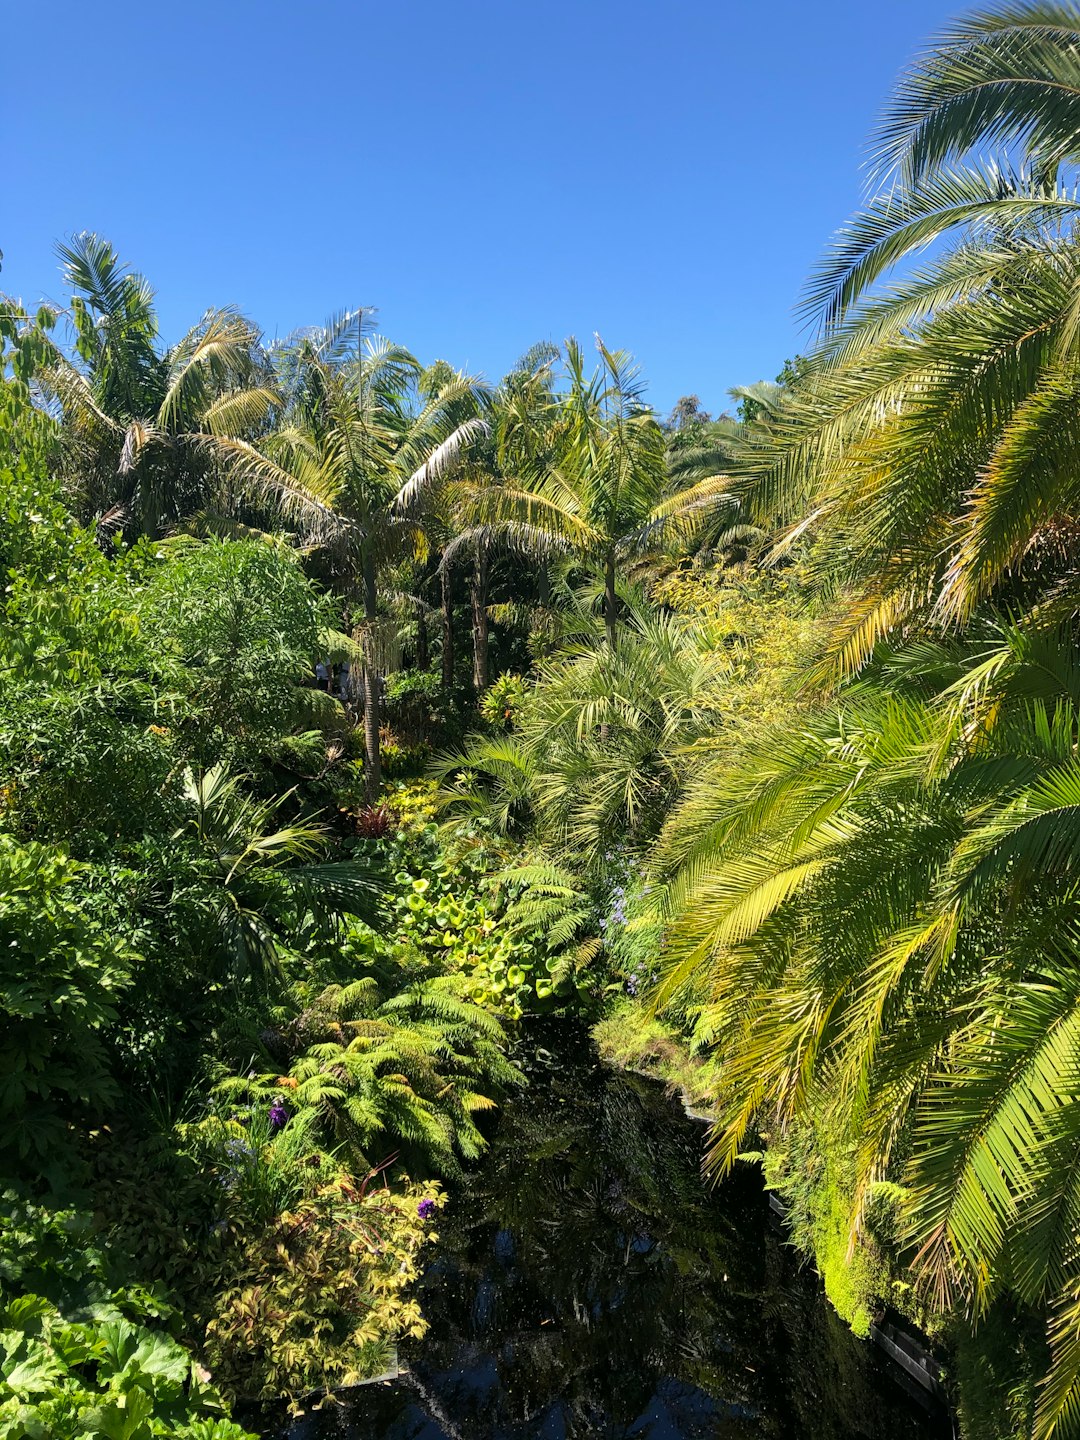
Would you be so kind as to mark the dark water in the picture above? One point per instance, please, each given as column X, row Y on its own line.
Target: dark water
column 586, row 1284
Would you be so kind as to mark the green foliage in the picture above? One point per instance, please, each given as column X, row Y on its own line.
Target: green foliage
column 264, row 887
column 416, row 706
column 238, row 623
column 812, row 1166
column 502, row 703
column 594, row 752
column 78, row 1358
column 60, row 978
column 632, row 1039
column 149, row 436
column 318, row 1296
column 370, row 1076
column 111, row 1379
column 511, row 934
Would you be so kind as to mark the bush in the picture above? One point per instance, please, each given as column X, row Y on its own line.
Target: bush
column 60, row 977
column 78, row 1358
column 318, row 1297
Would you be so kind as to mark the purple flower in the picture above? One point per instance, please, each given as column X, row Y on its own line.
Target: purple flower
column 279, row 1115
column 426, row 1209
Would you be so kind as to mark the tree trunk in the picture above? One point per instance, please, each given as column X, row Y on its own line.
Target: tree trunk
column 423, row 658
column 480, row 620
column 610, row 602
column 447, row 628
column 543, row 587
column 372, row 758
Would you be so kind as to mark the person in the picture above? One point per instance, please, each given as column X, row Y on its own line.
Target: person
column 322, row 674
column 343, row 680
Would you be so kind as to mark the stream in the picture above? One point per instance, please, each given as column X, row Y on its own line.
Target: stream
column 586, row 1283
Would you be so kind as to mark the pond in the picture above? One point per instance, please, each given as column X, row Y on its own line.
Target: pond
column 586, row 1283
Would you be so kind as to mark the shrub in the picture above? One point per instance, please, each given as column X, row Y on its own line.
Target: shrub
column 503, row 701
column 76, row 1358
column 318, row 1298
column 60, row 976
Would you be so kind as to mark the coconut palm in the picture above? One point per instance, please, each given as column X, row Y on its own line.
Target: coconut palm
column 143, row 427
column 357, row 423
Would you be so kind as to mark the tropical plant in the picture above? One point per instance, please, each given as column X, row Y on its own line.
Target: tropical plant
column 369, row 1072
column 356, row 425
column 879, row 913
column 60, row 978
column 141, row 1383
column 595, row 750
column 319, row 1297
column 265, row 888
column 82, row 1356
column 592, row 483
column 928, row 445
column 146, row 430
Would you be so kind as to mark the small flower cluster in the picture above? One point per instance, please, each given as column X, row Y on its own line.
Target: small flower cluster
column 426, row 1209
column 279, row 1115
column 618, row 908
column 239, row 1154
column 635, row 978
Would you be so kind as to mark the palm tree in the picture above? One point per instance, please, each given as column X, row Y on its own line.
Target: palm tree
column 263, row 884
column 596, row 749
column 145, row 429
column 591, row 481
column 356, row 425
column 931, row 444
column 512, row 427
column 878, row 912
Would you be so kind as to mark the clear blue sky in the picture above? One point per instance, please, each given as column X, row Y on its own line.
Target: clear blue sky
column 486, row 174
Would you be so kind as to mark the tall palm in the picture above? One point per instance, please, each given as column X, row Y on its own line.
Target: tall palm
column 512, row 428
column 592, row 482
column 146, row 428
column 356, row 425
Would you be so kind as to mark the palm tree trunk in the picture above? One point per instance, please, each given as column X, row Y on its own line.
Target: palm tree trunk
column 543, row 587
column 423, row 657
column 480, row 620
column 372, row 758
column 610, row 602
column 447, row 628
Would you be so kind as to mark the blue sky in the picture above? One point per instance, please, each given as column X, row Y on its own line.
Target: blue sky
column 486, row 174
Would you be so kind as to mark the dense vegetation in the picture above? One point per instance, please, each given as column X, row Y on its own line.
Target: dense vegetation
column 354, row 710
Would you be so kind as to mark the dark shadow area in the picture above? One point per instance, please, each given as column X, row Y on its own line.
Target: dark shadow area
column 586, row 1283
